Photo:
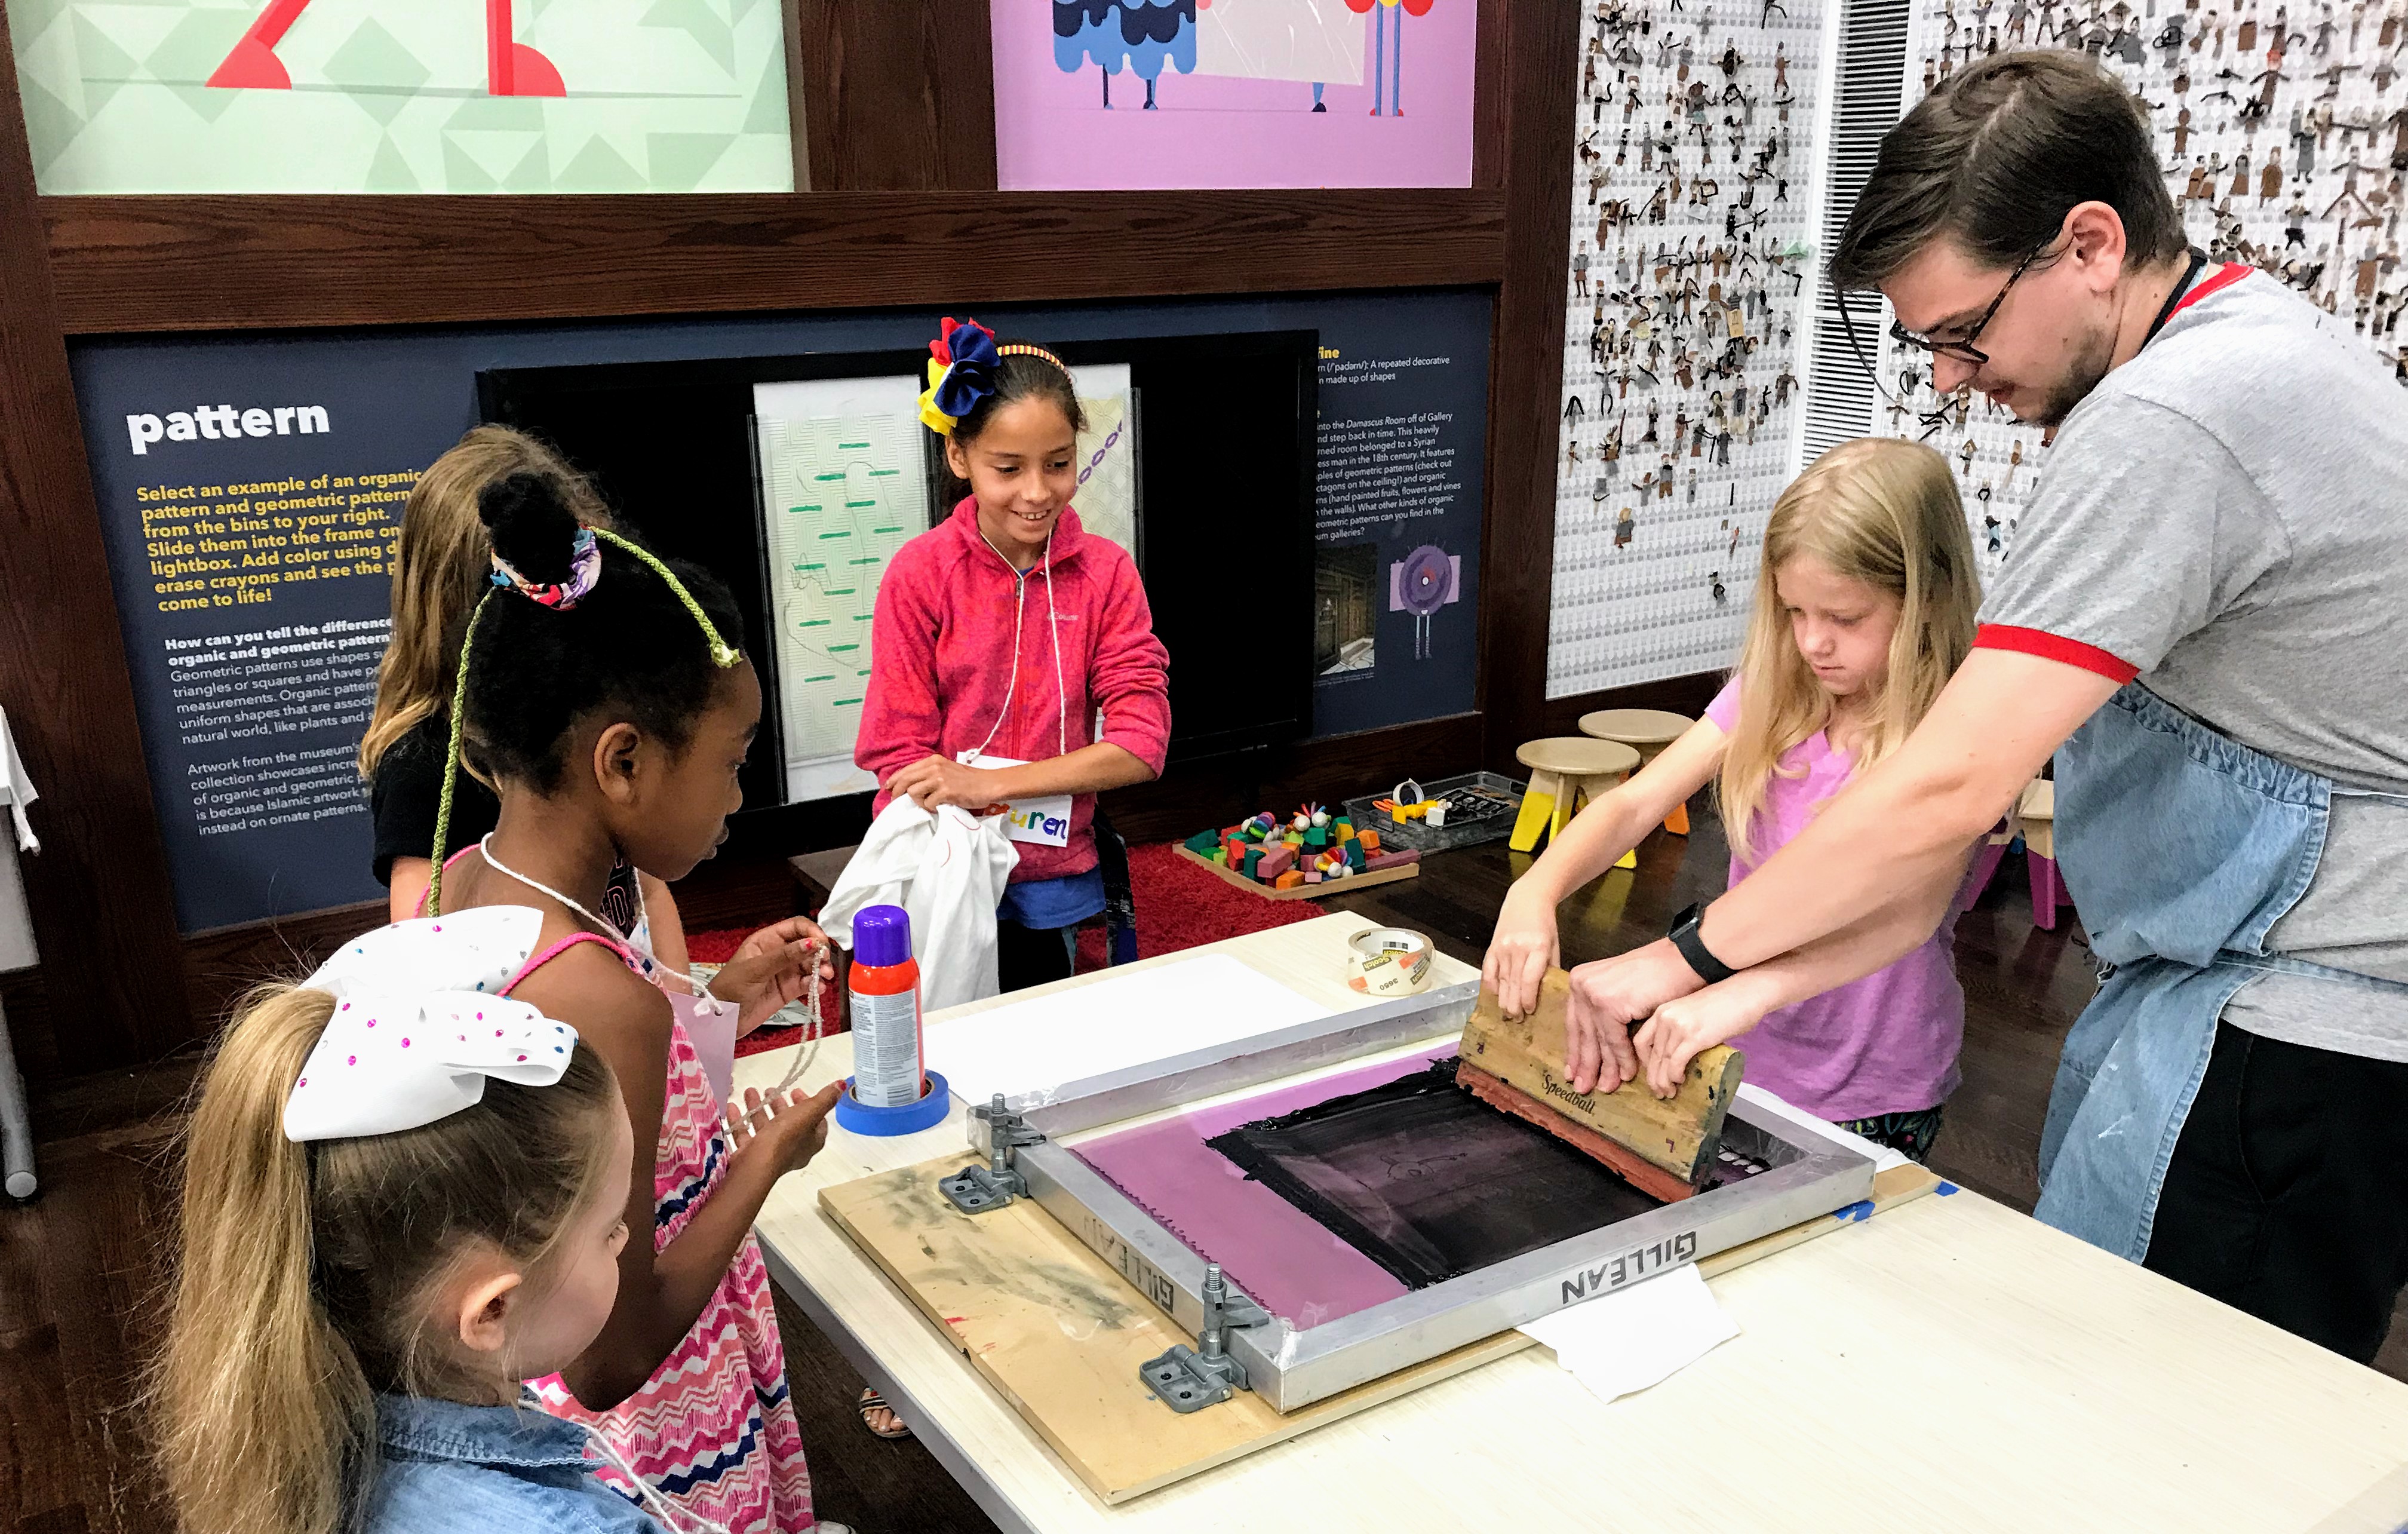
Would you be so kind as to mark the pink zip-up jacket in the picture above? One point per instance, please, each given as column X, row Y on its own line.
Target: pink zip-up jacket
column 941, row 648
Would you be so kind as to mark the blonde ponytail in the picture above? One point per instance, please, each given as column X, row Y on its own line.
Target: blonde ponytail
column 269, row 1417
column 309, row 1271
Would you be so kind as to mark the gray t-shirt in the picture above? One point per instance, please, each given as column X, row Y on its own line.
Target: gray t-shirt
column 2228, row 513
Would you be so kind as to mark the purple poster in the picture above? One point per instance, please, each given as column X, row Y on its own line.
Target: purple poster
column 1118, row 95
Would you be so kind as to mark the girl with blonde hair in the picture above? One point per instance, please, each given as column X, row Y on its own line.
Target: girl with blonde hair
column 386, row 1225
column 1864, row 608
column 443, row 565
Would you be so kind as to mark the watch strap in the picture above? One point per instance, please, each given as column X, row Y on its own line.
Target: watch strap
column 1692, row 948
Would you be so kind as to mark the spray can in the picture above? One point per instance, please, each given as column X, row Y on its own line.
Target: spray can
column 892, row 1091
column 885, row 986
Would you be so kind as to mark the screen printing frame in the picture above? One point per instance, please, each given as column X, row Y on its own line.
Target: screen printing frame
column 1290, row 1367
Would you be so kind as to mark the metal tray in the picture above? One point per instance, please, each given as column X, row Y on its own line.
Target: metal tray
column 1498, row 801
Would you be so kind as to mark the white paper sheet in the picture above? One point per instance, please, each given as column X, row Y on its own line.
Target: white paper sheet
column 1627, row 1341
column 1146, row 1015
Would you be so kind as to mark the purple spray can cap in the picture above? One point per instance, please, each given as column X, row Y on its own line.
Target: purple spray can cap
column 881, row 935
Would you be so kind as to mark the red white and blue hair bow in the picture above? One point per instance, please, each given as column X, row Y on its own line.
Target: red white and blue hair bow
column 962, row 361
column 961, row 372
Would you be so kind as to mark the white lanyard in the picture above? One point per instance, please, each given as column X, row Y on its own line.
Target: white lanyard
column 1019, row 617
column 701, row 988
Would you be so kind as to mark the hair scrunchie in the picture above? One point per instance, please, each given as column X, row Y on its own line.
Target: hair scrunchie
column 584, row 569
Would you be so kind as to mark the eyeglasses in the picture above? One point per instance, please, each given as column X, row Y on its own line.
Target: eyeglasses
column 1964, row 350
column 1960, row 351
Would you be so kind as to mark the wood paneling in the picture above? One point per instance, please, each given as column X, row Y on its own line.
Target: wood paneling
column 101, row 906
column 1674, row 694
column 899, row 95
column 1489, row 87
column 188, row 264
column 223, row 964
column 1526, row 370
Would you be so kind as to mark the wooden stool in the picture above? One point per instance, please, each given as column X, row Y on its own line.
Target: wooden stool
column 2035, row 819
column 1648, row 731
column 2039, row 812
column 1563, row 768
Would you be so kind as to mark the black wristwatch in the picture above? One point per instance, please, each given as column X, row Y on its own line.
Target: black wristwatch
column 1692, row 948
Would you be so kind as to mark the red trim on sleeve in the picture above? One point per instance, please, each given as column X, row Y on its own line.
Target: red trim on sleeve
column 2054, row 647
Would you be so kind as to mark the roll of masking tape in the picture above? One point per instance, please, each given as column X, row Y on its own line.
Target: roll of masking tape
column 1388, row 961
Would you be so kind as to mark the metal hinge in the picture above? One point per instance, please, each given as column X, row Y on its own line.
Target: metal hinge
column 976, row 1189
column 1188, row 1379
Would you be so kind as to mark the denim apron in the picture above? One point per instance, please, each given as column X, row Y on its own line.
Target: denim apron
column 2182, row 848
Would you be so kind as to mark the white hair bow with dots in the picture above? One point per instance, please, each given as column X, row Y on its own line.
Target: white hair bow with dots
column 420, row 1024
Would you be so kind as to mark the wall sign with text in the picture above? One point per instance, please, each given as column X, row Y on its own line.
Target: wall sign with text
column 250, row 492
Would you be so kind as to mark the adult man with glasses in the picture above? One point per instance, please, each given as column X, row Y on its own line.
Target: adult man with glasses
column 2205, row 619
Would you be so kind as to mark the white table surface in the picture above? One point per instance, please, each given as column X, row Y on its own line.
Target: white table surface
column 1949, row 1366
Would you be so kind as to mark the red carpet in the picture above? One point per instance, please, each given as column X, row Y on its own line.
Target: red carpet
column 1179, row 906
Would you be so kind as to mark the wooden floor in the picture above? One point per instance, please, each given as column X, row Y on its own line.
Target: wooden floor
column 79, row 1266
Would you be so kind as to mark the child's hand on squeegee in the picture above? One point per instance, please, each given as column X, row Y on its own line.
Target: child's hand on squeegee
column 1687, row 1026
column 1523, row 950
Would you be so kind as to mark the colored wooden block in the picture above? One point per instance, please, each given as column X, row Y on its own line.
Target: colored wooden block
column 1370, row 840
column 1312, row 876
column 1629, row 860
column 1275, row 861
column 1253, row 862
column 1678, row 821
column 1288, row 881
column 1392, row 860
column 1317, row 836
column 1202, row 842
column 1355, row 856
column 1221, row 856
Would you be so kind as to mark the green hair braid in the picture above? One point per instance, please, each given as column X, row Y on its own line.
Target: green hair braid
column 451, row 757
column 722, row 654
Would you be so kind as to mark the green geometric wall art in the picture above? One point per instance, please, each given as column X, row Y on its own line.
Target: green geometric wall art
column 404, row 96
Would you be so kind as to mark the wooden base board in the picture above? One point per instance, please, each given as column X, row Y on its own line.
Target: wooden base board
column 1304, row 892
column 1059, row 1333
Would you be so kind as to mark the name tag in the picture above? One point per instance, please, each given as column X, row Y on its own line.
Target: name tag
column 1044, row 821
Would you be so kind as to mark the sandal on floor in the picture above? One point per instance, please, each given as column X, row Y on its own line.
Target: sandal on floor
column 872, row 1401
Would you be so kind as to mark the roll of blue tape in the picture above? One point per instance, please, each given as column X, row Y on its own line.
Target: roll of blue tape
column 909, row 1119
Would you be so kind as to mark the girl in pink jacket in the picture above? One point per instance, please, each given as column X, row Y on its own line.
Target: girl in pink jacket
column 1016, row 665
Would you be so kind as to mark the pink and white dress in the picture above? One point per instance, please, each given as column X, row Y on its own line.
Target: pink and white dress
column 714, row 1427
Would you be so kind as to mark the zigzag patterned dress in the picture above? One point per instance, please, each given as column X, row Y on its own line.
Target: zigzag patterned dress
column 712, row 1428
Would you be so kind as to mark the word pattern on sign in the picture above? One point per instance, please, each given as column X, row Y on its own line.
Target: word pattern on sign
column 2283, row 132
column 1683, row 329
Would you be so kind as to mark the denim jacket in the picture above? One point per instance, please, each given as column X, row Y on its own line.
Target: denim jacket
column 444, row 1468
